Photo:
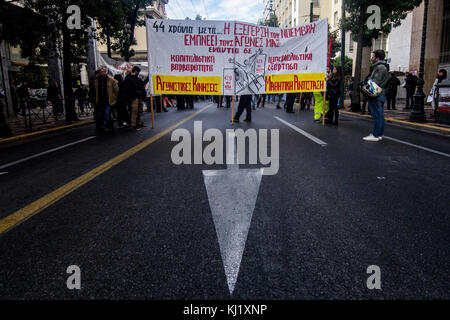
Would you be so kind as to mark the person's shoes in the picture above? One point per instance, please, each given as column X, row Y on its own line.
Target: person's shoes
column 372, row 138
column 394, row 108
column 278, row 107
column 380, row 138
column 317, row 120
column 290, row 111
column 363, row 112
column 406, row 108
column 335, row 123
column 247, row 120
column 235, row 120
column 137, row 128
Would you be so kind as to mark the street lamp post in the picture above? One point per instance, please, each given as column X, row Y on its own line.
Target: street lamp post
column 418, row 113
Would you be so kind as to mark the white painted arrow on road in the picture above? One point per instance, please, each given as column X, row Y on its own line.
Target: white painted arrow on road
column 232, row 195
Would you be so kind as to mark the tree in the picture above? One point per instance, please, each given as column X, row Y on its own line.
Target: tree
column 198, row 17
column 348, row 65
column 132, row 18
column 271, row 21
column 336, row 44
column 392, row 12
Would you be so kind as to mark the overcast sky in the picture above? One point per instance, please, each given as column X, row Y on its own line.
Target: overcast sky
column 241, row 10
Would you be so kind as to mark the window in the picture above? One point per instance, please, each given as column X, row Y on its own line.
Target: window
column 335, row 18
column 445, row 43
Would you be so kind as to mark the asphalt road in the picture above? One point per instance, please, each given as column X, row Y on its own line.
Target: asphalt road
column 144, row 229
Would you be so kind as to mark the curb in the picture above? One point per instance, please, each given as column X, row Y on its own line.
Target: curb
column 410, row 125
column 41, row 132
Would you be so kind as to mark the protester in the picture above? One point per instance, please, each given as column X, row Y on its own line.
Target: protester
column 290, row 100
column 440, row 78
column 80, row 95
column 391, row 90
column 180, row 102
column 106, row 96
column 261, row 99
column 135, row 88
column 279, row 100
column 306, row 98
column 365, row 99
column 54, row 96
column 228, row 102
column 380, row 77
column 350, row 87
column 245, row 102
column 123, row 117
column 334, row 93
column 14, row 97
column 23, row 94
column 410, row 86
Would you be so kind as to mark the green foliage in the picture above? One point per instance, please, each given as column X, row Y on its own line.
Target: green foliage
column 336, row 44
column 198, row 17
column 392, row 13
column 34, row 75
column 348, row 62
column 271, row 21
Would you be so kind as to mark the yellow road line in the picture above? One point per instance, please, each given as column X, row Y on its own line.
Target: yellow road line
column 424, row 125
column 37, row 206
column 28, row 135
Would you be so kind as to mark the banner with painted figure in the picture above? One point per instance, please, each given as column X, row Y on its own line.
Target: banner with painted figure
column 228, row 57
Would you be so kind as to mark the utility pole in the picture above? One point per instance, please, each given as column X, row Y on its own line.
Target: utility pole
column 343, row 52
column 5, row 131
column 417, row 111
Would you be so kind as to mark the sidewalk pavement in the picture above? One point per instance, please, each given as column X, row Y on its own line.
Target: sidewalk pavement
column 402, row 116
column 20, row 125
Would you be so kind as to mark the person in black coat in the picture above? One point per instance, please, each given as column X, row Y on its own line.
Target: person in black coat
column 245, row 102
column 410, row 86
column 290, row 100
column 391, row 91
column 334, row 88
column 123, row 116
column 136, row 94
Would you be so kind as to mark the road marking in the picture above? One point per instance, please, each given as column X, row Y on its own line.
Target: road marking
column 44, row 153
column 417, row 146
column 306, row 134
column 37, row 206
column 232, row 195
column 2, row 173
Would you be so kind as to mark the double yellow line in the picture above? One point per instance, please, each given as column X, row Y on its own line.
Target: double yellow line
column 37, row 206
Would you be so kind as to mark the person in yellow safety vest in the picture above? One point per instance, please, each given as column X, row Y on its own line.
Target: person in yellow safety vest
column 318, row 102
column 318, row 106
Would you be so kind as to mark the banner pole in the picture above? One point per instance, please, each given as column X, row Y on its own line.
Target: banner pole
column 300, row 101
column 153, row 114
column 323, row 107
column 232, row 109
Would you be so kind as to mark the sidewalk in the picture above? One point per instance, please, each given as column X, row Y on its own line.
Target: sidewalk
column 401, row 116
column 41, row 122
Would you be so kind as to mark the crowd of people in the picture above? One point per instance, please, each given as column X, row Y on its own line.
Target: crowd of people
column 123, row 99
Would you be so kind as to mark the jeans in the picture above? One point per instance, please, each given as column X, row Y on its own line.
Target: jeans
column 377, row 111
column 108, row 118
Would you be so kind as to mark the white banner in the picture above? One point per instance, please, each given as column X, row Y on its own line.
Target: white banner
column 227, row 57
